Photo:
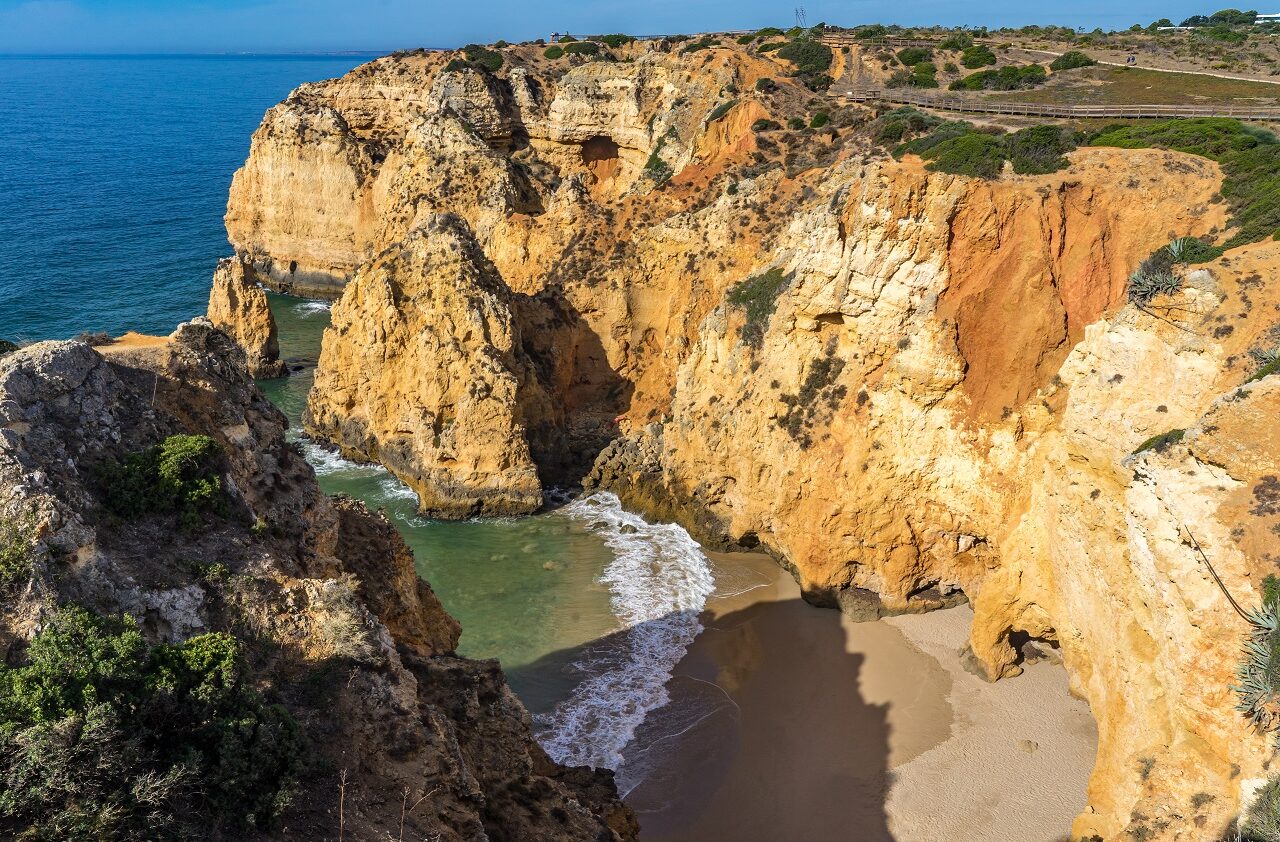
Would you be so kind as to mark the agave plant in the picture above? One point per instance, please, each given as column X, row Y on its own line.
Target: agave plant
column 1145, row 284
column 1259, row 671
column 1181, row 247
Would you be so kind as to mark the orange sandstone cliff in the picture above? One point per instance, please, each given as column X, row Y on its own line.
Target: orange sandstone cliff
column 909, row 387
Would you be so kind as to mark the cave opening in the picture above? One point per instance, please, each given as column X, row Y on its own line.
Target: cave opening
column 600, row 157
column 1030, row 648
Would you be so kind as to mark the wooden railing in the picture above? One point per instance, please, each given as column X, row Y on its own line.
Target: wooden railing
column 942, row 102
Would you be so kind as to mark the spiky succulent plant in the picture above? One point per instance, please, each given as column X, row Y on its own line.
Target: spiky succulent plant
column 1259, row 671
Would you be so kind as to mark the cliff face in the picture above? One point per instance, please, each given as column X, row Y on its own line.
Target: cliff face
column 910, row 387
column 239, row 307
column 337, row 625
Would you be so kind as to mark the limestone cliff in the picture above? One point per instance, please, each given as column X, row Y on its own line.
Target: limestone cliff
column 322, row 593
column 239, row 307
column 908, row 386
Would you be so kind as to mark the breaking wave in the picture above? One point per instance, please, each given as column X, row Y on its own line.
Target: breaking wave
column 660, row 580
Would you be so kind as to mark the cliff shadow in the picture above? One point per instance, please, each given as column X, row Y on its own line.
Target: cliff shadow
column 766, row 734
column 586, row 392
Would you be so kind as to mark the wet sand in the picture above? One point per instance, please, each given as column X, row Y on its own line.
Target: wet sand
column 787, row 721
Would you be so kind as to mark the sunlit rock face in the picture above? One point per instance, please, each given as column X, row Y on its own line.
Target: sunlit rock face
column 937, row 392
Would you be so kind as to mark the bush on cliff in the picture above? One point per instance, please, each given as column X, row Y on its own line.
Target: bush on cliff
column 812, row 60
column 553, row 52
column 757, row 296
column 1008, row 78
column 17, row 546
column 582, row 48
column 1070, row 61
column 1040, row 149
column 977, row 56
column 957, row 41
column 957, row 147
column 1249, row 156
column 911, row 56
column 893, row 127
column 483, row 57
column 105, row 737
column 178, row 475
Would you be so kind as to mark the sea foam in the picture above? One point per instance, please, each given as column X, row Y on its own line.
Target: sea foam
column 660, row 580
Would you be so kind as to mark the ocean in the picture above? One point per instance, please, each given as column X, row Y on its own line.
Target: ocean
column 115, row 173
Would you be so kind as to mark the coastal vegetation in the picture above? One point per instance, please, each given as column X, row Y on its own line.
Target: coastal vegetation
column 17, row 545
column 1011, row 77
column 812, row 60
column 103, row 736
column 757, row 297
column 957, row 147
column 1070, row 60
column 179, row 475
column 1249, row 156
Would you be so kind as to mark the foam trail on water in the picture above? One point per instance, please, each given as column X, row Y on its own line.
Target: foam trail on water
column 309, row 308
column 329, row 463
column 660, row 580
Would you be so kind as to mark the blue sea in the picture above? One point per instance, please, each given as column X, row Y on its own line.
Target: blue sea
column 114, row 173
column 113, row 179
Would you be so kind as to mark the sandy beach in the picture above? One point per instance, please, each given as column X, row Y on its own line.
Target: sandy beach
column 786, row 721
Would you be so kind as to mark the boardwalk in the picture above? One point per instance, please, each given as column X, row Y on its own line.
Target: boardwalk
column 974, row 105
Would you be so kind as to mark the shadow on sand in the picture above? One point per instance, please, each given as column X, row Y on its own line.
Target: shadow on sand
column 766, row 735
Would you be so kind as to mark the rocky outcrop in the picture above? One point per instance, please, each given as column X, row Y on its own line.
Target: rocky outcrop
column 238, row 307
column 323, row 593
column 444, row 395
column 909, row 387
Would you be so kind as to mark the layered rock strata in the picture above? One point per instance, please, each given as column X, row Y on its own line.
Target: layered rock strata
column 910, row 387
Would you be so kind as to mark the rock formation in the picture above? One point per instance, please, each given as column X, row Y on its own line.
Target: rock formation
column 909, row 387
column 322, row 592
column 239, row 307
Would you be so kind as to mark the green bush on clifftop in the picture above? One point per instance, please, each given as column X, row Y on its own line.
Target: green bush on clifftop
column 1250, row 160
column 103, row 736
column 178, row 475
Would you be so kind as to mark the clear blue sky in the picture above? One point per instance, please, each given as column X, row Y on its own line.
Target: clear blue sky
column 158, row 26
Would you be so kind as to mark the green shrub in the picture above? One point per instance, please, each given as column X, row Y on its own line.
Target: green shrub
column 973, row 154
column 746, row 39
column 796, row 123
column 979, row 55
column 1225, row 33
column 951, row 67
column 924, row 75
column 1189, row 250
column 767, row 32
column 1162, row 442
column 1154, row 276
column 657, row 168
column 765, row 125
column 617, row 39
column 1008, row 78
column 807, row 56
column 553, row 52
column 769, row 48
column 895, row 126
column 1250, row 160
column 758, row 296
column 1269, row 364
column 818, row 395
column 873, row 31
column 105, row 737
column 812, row 59
column 766, row 85
column 456, row 65
column 178, row 475
column 499, row 44
column 958, row 41
column 911, row 56
column 721, row 110
column 1070, row 61
column 17, row 550
column 1039, row 149
column 582, row 48
column 483, row 57
column 819, row 120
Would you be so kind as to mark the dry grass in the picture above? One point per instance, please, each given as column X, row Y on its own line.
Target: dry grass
column 1137, row 86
